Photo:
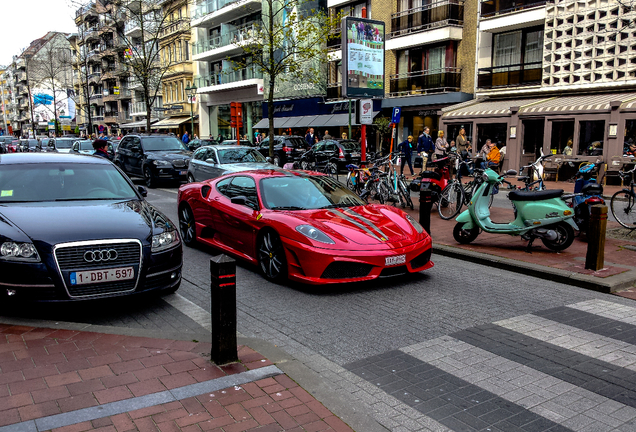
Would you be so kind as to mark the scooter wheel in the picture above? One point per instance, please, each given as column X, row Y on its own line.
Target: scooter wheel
column 564, row 240
column 464, row 236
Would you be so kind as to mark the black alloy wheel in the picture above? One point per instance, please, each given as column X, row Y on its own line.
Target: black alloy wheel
column 271, row 256
column 187, row 226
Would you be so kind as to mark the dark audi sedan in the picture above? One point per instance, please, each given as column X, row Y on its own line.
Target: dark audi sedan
column 74, row 227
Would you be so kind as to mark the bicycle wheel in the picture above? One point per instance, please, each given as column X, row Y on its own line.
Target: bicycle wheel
column 451, row 201
column 383, row 192
column 623, row 206
column 331, row 169
column 351, row 182
column 405, row 193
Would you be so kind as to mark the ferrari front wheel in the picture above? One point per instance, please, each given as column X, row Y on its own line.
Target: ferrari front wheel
column 187, row 226
column 271, row 257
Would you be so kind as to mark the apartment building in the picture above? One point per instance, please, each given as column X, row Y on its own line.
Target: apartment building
column 218, row 28
column 552, row 74
column 177, row 82
column 6, row 101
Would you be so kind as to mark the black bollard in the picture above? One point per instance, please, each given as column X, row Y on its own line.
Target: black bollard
column 223, row 307
column 595, row 256
column 426, row 204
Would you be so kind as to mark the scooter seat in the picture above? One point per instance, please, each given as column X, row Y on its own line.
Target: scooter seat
column 592, row 189
column 431, row 175
column 535, row 195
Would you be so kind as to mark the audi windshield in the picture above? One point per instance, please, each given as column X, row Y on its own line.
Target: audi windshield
column 63, row 182
column 162, row 144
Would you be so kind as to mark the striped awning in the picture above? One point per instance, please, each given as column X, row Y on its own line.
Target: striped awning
column 487, row 108
column 170, row 123
column 586, row 102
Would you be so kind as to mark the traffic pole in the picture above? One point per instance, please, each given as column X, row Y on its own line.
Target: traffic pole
column 223, row 309
column 426, row 205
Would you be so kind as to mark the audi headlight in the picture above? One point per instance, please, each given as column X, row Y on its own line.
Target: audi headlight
column 12, row 251
column 161, row 163
column 314, row 234
column 165, row 240
column 419, row 228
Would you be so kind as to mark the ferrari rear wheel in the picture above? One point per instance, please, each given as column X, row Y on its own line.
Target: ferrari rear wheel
column 271, row 256
column 187, row 226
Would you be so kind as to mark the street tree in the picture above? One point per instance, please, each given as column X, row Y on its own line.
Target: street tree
column 79, row 57
column 50, row 70
column 288, row 45
column 146, row 62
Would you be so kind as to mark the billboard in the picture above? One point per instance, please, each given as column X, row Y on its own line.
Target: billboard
column 43, row 104
column 286, row 17
column 363, row 58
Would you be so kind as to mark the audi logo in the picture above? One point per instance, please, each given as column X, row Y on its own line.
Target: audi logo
column 100, row 255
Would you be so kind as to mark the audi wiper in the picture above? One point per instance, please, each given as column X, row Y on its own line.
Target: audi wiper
column 288, row 208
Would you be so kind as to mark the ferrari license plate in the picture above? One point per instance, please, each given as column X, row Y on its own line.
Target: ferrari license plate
column 395, row 260
column 102, row 276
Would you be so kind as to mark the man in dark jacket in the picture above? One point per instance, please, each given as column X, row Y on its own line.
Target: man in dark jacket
column 101, row 148
column 425, row 146
column 406, row 148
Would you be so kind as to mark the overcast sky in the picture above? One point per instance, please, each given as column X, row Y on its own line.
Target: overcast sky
column 26, row 20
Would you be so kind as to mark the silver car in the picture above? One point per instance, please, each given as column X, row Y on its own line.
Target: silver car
column 213, row 161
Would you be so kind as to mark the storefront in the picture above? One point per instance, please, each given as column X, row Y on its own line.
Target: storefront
column 594, row 126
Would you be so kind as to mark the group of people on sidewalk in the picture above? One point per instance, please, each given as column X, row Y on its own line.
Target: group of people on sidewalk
column 426, row 149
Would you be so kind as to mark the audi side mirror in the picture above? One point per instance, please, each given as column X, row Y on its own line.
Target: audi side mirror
column 143, row 191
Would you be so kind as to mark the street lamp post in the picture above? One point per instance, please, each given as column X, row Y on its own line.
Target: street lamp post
column 192, row 91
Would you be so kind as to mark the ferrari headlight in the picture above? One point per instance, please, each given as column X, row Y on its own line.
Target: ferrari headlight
column 161, row 163
column 12, row 251
column 314, row 234
column 419, row 228
column 165, row 240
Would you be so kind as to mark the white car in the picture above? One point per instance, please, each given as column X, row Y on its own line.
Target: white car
column 58, row 145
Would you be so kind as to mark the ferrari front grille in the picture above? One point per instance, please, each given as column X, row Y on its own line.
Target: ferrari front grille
column 422, row 259
column 346, row 270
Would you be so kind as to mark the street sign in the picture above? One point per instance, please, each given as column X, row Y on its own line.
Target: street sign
column 192, row 98
column 366, row 111
column 395, row 117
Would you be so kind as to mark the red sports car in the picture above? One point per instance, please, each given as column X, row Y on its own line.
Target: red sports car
column 303, row 226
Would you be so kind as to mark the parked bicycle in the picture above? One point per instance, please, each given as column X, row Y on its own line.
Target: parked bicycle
column 623, row 202
column 533, row 180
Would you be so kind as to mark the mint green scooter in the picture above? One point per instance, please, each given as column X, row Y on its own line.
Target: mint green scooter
column 538, row 214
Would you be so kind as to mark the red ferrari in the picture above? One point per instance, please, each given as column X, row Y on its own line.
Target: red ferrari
column 303, row 226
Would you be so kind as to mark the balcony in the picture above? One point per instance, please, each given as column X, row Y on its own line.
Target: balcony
column 233, row 76
column 97, row 99
column 91, row 33
column 438, row 14
column 172, row 27
column 424, row 82
column 93, row 56
column 20, row 77
column 24, row 104
column 124, row 94
column 111, row 117
column 334, row 41
column 97, row 118
column 110, row 96
column 133, row 28
column 510, row 76
column 209, row 11
column 203, row 49
column 94, row 77
column 87, row 11
column 138, row 109
column 492, row 8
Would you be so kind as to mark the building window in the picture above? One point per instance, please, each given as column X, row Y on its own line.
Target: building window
column 507, row 48
column 355, row 9
column 562, row 133
column 591, row 135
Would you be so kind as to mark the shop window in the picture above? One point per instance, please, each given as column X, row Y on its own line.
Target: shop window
column 495, row 132
column 630, row 134
column 591, row 136
column 562, row 133
column 452, row 131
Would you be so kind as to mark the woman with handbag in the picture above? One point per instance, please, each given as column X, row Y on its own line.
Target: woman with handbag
column 440, row 146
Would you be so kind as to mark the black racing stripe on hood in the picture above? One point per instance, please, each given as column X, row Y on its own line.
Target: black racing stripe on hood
column 356, row 223
column 366, row 221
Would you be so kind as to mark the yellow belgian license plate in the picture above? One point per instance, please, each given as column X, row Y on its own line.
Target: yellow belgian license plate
column 102, row 276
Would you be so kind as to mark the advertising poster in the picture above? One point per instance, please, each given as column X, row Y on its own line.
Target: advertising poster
column 43, row 101
column 363, row 57
column 289, row 87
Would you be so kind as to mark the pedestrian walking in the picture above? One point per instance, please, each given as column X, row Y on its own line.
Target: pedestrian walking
column 425, row 147
column 186, row 138
column 440, row 146
column 406, row 148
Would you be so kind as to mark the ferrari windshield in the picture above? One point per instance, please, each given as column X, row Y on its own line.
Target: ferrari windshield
column 306, row 193
column 62, row 182
column 237, row 155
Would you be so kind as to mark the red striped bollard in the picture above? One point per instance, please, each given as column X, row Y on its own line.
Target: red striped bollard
column 223, row 309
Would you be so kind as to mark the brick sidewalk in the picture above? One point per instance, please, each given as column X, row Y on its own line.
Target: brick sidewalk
column 45, row 373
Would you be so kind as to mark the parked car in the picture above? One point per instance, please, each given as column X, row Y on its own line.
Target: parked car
column 287, row 149
column 30, row 145
column 341, row 153
column 58, row 145
column 197, row 142
column 154, row 157
column 13, row 146
column 306, row 227
column 214, row 161
column 83, row 147
column 4, row 143
column 101, row 238
column 233, row 142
